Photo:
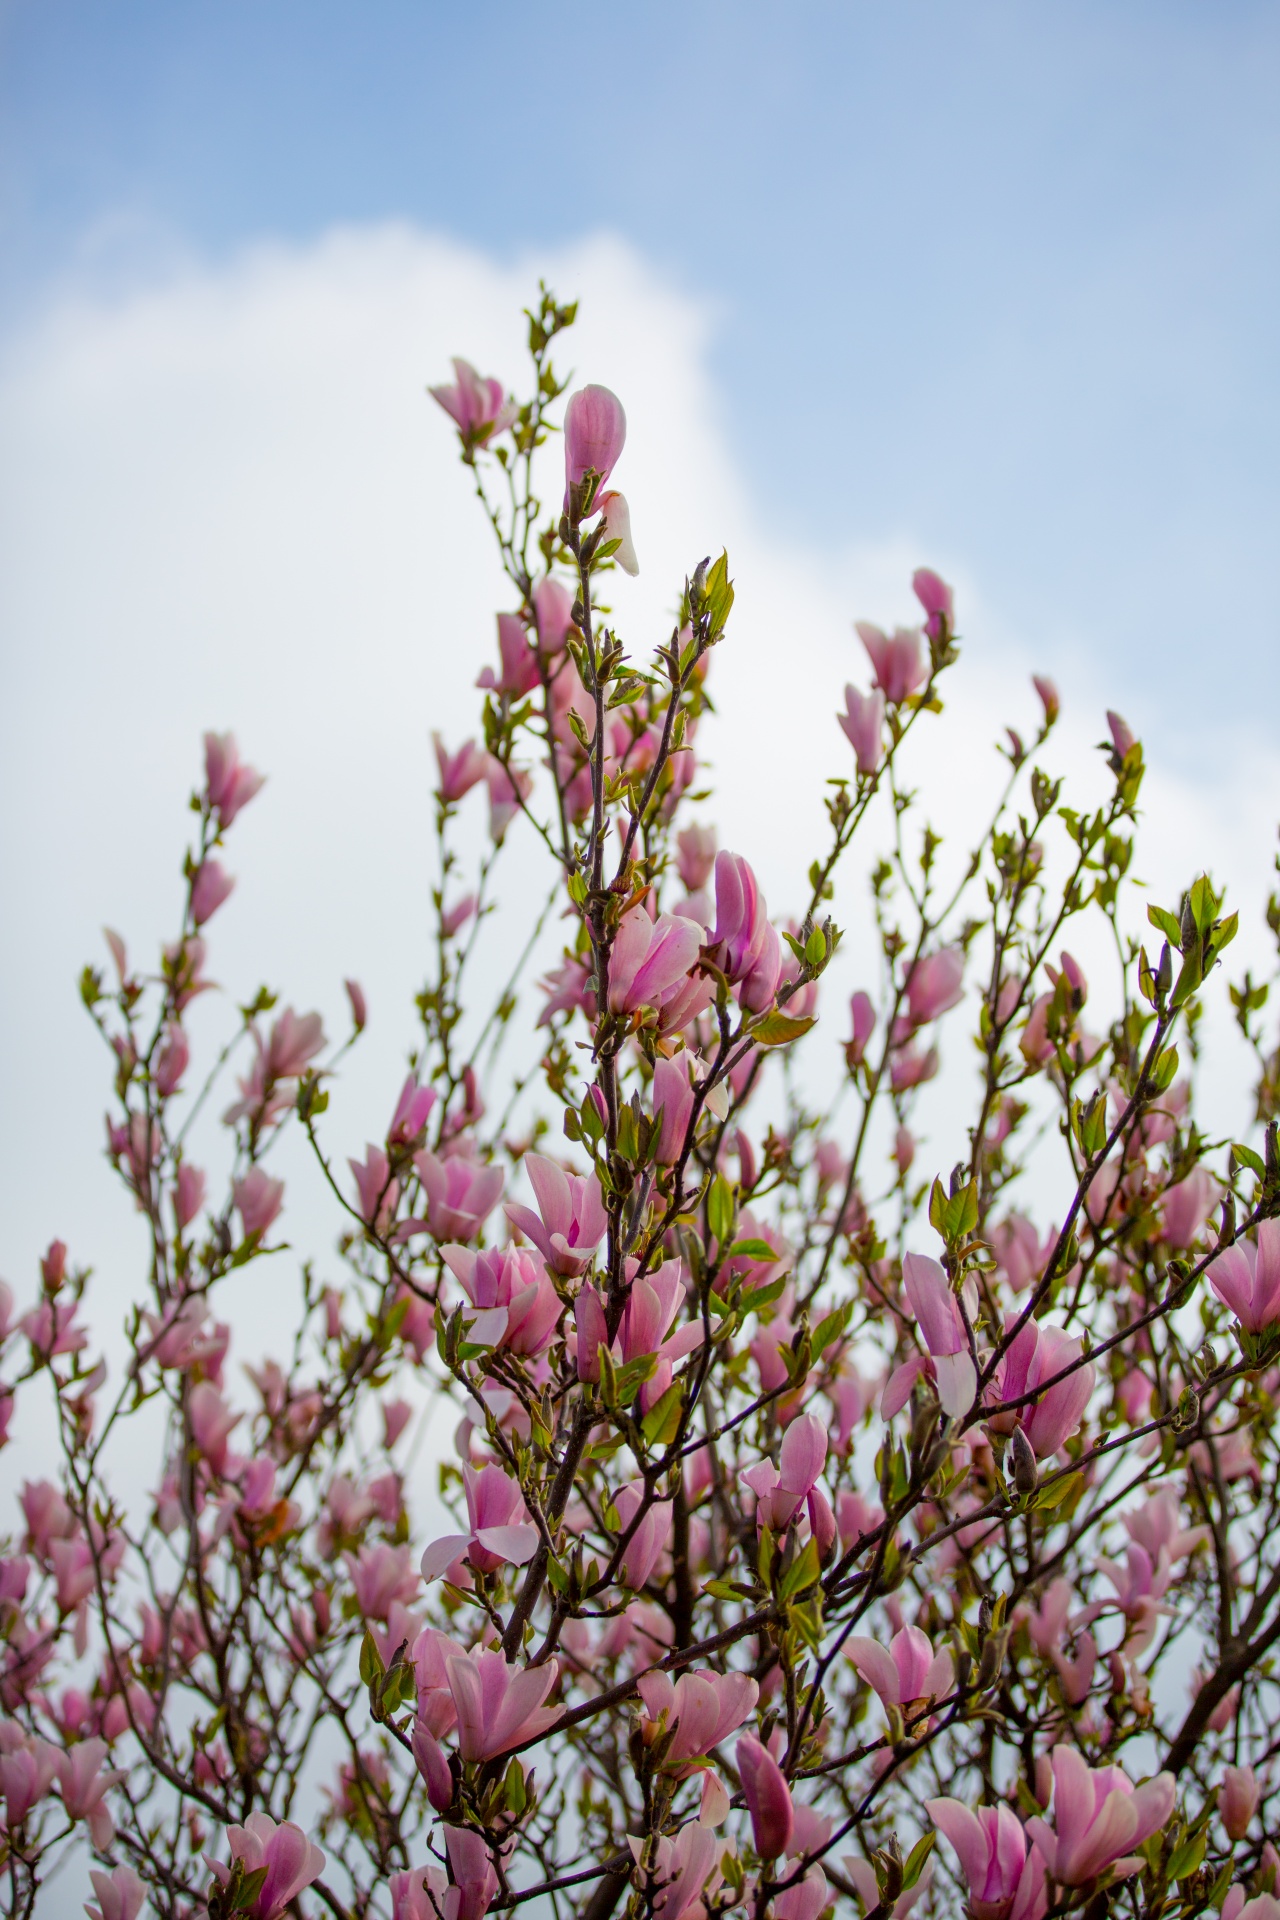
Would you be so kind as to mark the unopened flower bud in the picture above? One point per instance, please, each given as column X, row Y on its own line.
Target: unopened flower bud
column 1022, row 1462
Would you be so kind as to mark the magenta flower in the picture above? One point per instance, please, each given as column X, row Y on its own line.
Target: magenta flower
column 518, row 673
column 459, row 771
column 292, row 1862
column 502, row 1533
column 907, row 1671
column 804, row 1899
column 1049, row 697
column 937, row 599
column 120, row 1895
column 1246, row 1278
column 460, row 1192
column 84, row 1788
column 937, row 1311
column 744, row 942
column 1122, row 736
column 210, row 888
column 381, row 1575
column 768, row 1797
column 420, row 1894
column 1238, row 1799
column 863, row 724
column 649, row 1541
column 1005, row 1877
column 258, row 1199
column 376, row 1191
column 683, row 1867
column 570, row 1222
column 228, row 784
column 704, row 1708
column 516, row 1301
column 553, row 615
column 862, row 1015
column 780, row 1490
column 1187, row 1205
column 695, row 857
column 672, row 1097
column 413, row 1109
column 1038, row 1353
column 498, row 1706
column 26, row 1774
column 1099, row 1817
column 934, row 985
column 899, row 670
column 595, row 432
column 474, row 1880
column 477, row 406
column 649, row 959
column 212, row 1423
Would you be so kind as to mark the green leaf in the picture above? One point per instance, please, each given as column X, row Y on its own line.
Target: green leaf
column 752, row 1250
column 1164, row 1070
column 915, row 1861
column 1188, row 1857
column 371, row 1667
column 720, row 1209
column 1204, row 903
column 662, row 1422
column 803, row 1571
column 1248, row 1158
column 779, row 1029
column 830, row 1328
column 1167, row 923
column 1058, row 1491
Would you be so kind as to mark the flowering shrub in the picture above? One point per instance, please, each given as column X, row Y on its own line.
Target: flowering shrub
column 805, row 1512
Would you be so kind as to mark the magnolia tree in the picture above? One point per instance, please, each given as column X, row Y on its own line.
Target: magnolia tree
column 824, row 1534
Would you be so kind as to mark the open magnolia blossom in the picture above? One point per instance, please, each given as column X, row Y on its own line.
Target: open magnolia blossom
column 827, row 1474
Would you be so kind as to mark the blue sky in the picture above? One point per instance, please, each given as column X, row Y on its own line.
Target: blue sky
column 1002, row 276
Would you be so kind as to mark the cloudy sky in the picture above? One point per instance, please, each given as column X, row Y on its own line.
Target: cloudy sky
column 985, row 285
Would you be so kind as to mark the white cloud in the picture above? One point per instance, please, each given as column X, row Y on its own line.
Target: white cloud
column 227, row 502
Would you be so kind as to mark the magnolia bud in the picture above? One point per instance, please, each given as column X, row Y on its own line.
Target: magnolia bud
column 1022, row 1462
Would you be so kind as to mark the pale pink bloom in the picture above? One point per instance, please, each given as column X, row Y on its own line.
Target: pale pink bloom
column 907, row 1671
column 171, row 1062
column 804, row 1899
column 396, row 1415
column 474, row 1881
column 51, row 1328
column 516, row 1301
column 683, row 1869
column 380, row 1575
column 1237, row 1800
column 258, row 1199
column 863, row 724
column 1049, row 699
column 120, row 1895
column 1099, row 1818
column 1004, row 1877
column 211, row 886
column 26, row 1774
column 72, row 1562
column 695, row 856
column 567, row 990
column 1122, row 737
column 84, row 1789
column 1157, row 1526
column 703, row 1707
column 862, row 1014
column 937, row 599
column 650, row 959
column 501, row 1532
column 904, row 1150
column 1187, row 1206
column 672, row 1097
column 476, row 405
column 47, row 1515
column 1038, row 1353
column 413, row 1109
column 1018, row 1250
column 229, row 785
column 780, row 1490
column 935, row 984
column 376, row 1191
column 212, row 1423
column 745, row 943
column 553, row 615
column 1246, row 1278
column 1263, row 1906
column 458, row 915
column 937, row 1312
column 1076, row 1671
column 460, row 1192
column 768, row 1797
column 460, row 771
column 498, row 1706
column 570, row 1222
column 908, row 1067
column 617, row 526
column 899, row 669
column 292, row 1862
column 863, row 1876
column 649, row 1541
column 358, row 1003
column 518, row 673
column 295, row 1040
column 595, row 432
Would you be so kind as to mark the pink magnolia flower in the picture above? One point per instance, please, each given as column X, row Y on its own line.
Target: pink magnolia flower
column 1039, row 1353
column 1246, row 1278
column 1004, row 1876
column 649, row 1541
column 672, row 1097
column 1122, row 736
column 498, row 1706
column 744, row 942
column 768, row 1797
column 518, row 673
column 212, row 1423
column 780, row 1490
column 292, row 1862
column 804, row 1899
column 413, row 1110
column 862, row 1015
column 1099, row 1817
column 1157, row 1526
column 188, row 1193
column 459, row 771
column 595, row 432
column 683, row 1868
column 501, row 1532
column 1018, row 1250
column 376, row 1191
column 460, row 1192
column 617, row 526
column 477, row 406
column 26, row 1774
column 1187, row 1206
column 73, row 1572
column 899, row 670
column 937, row 1312
column 552, row 614
column 937, row 599
column 863, row 1876
column 934, row 985
column 908, row 1067
column 704, row 1708
column 474, row 1880
column 570, row 1222
column 1238, row 1800
column 229, row 785
column 517, row 1304
column 420, row 1894
column 907, row 1671
column 84, row 1788
column 1263, row 1906
column 1049, row 697
column 863, row 724
column 567, row 990
column 120, row 1895
column 381, row 1575
column 359, row 1005
column 171, row 1062
column 695, row 857
column 211, row 886
column 258, row 1199
column 650, row 959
